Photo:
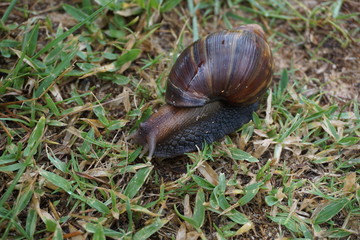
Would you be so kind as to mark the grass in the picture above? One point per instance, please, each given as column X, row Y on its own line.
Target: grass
column 75, row 82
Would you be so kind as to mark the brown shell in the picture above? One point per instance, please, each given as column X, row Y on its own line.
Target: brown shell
column 232, row 65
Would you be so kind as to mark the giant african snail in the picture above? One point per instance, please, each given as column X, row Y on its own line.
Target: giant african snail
column 212, row 90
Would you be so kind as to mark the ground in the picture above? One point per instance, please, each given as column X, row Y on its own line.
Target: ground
column 77, row 78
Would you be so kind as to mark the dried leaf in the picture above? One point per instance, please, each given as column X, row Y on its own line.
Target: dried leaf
column 350, row 183
column 209, row 173
column 187, row 211
column 261, row 146
column 181, row 234
column 192, row 235
column 245, row 228
column 268, row 117
column 105, row 68
column 95, row 123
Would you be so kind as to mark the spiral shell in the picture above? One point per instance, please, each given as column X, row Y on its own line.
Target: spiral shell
column 234, row 66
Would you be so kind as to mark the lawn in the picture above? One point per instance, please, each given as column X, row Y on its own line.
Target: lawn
column 77, row 77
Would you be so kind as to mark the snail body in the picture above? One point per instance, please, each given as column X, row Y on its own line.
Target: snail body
column 212, row 90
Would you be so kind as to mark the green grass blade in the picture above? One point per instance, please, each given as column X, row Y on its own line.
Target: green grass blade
column 100, row 113
column 129, row 56
column 137, row 181
column 35, row 138
column 12, row 167
column 250, row 192
column 51, row 104
column 192, row 10
column 101, row 207
column 199, row 210
column 288, row 222
column 284, row 80
column 66, row 186
column 91, row 228
column 55, row 161
column 15, row 120
column 58, row 234
column 189, row 220
column 57, row 180
column 336, row 6
column 31, row 222
column 70, row 31
column 33, row 41
column 203, row 183
column 168, row 5
column 8, row 43
column 10, row 189
column 296, row 122
column 8, row 11
column 23, row 200
column 330, row 210
column 150, row 229
column 46, row 83
column 14, row 225
column 330, row 129
column 99, row 233
column 75, row 12
column 238, row 154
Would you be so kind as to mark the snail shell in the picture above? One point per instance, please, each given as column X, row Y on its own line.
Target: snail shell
column 212, row 90
column 231, row 65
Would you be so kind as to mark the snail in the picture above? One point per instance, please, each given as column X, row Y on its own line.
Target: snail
column 212, row 90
